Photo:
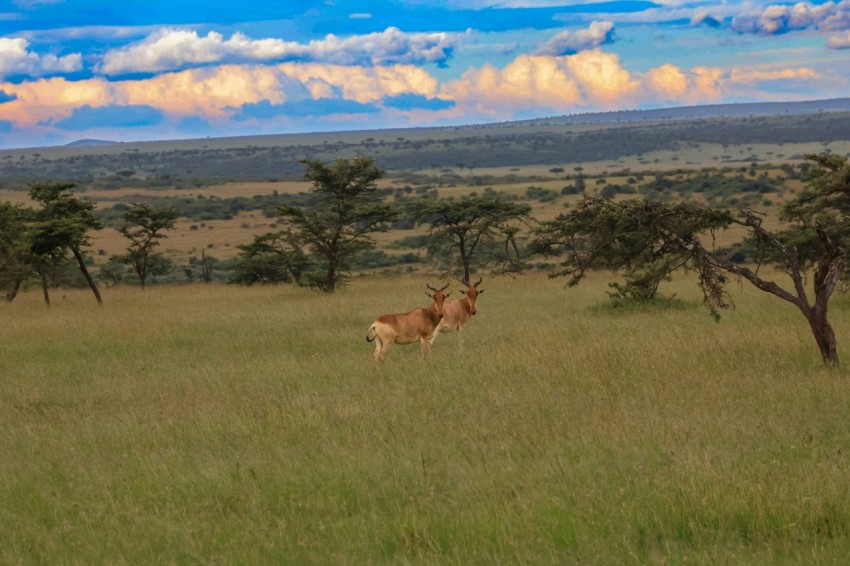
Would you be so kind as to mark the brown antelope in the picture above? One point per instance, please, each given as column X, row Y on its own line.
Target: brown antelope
column 458, row 312
column 418, row 324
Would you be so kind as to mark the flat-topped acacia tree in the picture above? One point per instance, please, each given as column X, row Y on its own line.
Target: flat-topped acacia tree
column 347, row 209
column 471, row 232
column 144, row 226
column 658, row 238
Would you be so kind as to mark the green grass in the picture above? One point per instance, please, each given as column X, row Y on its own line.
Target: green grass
column 223, row 424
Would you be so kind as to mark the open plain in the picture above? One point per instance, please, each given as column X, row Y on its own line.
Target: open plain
column 212, row 423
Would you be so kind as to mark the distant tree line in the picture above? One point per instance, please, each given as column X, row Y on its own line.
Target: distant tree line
column 325, row 234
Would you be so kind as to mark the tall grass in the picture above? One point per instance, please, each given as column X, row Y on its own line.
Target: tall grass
column 226, row 424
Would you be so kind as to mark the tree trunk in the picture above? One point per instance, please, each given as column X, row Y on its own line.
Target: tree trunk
column 87, row 275
column 464, row 261
column 44, row 290
column 824, row 336
column 10, row 296
column 330, row 279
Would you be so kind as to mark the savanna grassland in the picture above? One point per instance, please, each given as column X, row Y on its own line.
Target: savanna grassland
column 224, row 424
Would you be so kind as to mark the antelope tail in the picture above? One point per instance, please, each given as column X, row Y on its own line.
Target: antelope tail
column 370, row 334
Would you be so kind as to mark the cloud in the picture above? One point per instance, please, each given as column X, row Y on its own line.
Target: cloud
column 210, row 92
column 363, row 84
column 410, row 101
column 754, row 76
column 589, row 80
column 671, row 84
column 570, row 42
column 172, row 49
column 235, row 98
column 17, row 59
column 778, row 19
column 839, row 41
column 703, row 17
column 6, row 97
column 43, row 100
column 113, row 116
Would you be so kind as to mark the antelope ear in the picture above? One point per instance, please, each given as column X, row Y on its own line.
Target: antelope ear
column 461, row 291
column 429, row 295
column 447, row 295
column 480, row 291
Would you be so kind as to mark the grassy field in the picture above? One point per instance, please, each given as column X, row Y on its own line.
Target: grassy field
column 220, row 424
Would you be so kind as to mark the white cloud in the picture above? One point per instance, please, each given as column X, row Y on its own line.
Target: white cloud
column 569, row 42
column 171, row 49
column 776, row 19
column 17, row 59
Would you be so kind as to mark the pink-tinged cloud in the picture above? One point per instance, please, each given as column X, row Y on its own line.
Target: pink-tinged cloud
column 755, row 76
column 670, row 84
column 362, row 84
column 839, row 41
column 173, row 49
column 210, row 92
column 52, row 99
column 587, row 81
column 17, row 59
column 535, row 81
column 569, row 42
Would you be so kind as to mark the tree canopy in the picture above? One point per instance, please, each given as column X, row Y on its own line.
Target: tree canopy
column 348, row 209
column 472, row 232
column 650, row 237
column 145, row 226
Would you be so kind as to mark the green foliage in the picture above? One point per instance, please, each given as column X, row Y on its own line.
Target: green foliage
column 347, row 210
column 473, row 232
column 144, row 226
column 61, row 224
column 825, row 203
column 648, row 238
column 275, row 257
column 16, row 258
column 652, row 239
column 540, row 194
column 63, row 221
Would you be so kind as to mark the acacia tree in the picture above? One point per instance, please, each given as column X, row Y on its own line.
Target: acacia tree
column 61, row 224
column 641, row 232
column 275, row 257
column 16, row 261
column 144, row 227
column 474, row 229
column 825, row 203
column 346, row 211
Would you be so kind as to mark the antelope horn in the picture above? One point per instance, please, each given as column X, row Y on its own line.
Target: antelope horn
column 428, row 284
column 480, row 279
column 446, row 286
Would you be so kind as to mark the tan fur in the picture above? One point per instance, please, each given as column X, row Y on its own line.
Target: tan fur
column 406, row 328
column 457, row 313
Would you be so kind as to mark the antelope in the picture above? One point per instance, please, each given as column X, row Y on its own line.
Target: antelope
column 418, row 324
column 458, row 312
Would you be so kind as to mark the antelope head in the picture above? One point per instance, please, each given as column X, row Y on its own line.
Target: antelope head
column 472, row 292
column 439, row 297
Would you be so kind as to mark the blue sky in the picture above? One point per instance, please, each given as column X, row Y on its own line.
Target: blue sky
column 128, row 71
